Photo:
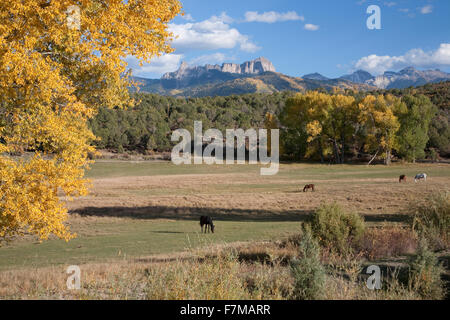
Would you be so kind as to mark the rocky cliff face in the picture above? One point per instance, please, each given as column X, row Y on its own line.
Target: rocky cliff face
column 254, row 67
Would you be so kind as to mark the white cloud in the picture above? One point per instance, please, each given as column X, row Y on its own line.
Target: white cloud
column 272, row 16
column 426, row 10
column 249, row 46
column 416, row 57
column 215, row 58
column 442, row 55
column 311, row 27
column 157, row 66
column 223, row 17
column 212, row 34
column 188, row 17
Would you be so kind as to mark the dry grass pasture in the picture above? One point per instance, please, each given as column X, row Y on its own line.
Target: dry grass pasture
column 141, row 215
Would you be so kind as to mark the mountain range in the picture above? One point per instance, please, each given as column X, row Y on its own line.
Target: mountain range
column 407, row 77
column 260, row 75
column 253, row 67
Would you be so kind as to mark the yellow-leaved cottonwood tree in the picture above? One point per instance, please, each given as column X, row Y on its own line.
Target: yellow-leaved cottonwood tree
column 53, row 78
column 333, row 124
column 378, row 115
column 328, row 119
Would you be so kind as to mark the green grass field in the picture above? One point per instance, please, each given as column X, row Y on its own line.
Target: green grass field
column 135, row 239
column 110, row 169
column 103, row 239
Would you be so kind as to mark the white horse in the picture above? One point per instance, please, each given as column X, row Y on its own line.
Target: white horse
column 420, row 176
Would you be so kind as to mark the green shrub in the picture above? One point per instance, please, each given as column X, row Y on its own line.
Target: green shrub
column 337, row 229
column 432, row 220
column 425, row 273
column 307, row 271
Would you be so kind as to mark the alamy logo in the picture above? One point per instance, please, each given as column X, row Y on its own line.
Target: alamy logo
column 374, row 281
column 236, row 141
column 74, row 280
column 374, row 21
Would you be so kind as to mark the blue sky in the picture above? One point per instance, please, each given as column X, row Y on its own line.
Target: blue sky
column 326, row 36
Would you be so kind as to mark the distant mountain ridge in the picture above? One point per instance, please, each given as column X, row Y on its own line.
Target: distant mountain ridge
column 192, row 76
column 257, row 66
column 260, row 75
column 359, row 76
column 407, row 77
column 315, row 76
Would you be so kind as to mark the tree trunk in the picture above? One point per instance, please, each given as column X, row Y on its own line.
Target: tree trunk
column 387, row 161
column 336, row 152
column 371, row 160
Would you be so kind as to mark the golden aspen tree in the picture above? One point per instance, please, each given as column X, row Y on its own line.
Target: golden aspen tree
column 54, row 75
column 378, row 116
column 327, row 119
column 317, row 113
column 342, row 123
column 304, row 113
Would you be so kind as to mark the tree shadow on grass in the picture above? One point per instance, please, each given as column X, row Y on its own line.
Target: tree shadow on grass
column 220, row 214
column 193, row 214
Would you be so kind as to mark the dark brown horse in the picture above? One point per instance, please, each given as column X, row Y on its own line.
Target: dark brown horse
column 402, row 178
column 208, row 223
column 309, row 187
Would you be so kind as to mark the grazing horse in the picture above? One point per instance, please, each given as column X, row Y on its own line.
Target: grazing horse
column 420, row 176
column 309, row 186
column 207, row 222
column 402, row 178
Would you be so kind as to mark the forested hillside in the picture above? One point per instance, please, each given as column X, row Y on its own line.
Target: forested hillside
column 216, row 83
column 439, row 94
column 147, row 127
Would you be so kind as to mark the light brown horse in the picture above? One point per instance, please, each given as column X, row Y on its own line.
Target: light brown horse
column 309, row 187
